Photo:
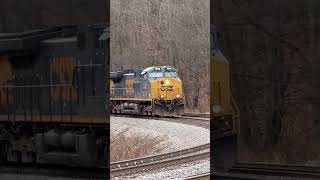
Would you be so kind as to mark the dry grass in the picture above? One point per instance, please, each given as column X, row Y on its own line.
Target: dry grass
column 124, row 146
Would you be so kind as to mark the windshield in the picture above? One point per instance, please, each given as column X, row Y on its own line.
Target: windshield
column 171, row 74
column 155, row 74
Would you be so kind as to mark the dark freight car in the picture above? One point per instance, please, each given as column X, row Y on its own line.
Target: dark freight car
column 53, row 95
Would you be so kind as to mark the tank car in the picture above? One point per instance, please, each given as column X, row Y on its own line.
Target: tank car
column 52, row 101
column 152, row 91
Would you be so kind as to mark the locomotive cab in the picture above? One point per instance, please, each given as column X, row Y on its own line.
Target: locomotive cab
column 166, row 91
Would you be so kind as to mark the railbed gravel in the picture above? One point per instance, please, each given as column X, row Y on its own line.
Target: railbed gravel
column 178, row 136
column 180, row 171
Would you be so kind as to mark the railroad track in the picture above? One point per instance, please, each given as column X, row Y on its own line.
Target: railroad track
column 133, row 166
column 205, row 176
column 199, row 121
column 285, row 170
column 269, row 171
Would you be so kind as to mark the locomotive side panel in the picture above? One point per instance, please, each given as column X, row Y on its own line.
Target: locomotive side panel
column 130, row 86
column 56, row 88
column 5, row 78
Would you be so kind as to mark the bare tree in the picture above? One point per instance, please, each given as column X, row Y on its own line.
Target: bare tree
column 164, row 32
column 273, row 50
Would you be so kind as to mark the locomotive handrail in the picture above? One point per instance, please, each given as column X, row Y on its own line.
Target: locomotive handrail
column 235, row 108
column 236, row 115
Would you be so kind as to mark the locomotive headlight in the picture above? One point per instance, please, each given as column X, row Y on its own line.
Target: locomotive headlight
column 178, row 95
column 161, row 96
column 167, row 82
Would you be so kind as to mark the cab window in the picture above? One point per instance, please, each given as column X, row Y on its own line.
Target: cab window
column 155, row 74
column 171, row 74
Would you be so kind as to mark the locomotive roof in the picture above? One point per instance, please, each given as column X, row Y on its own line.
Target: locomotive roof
column 119, row 74
column 150, row 69
column 29, row 40
column 61, row 39
column 105, row 35
column 214, row 45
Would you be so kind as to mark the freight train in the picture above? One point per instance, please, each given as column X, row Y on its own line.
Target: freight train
column 224, row 110
column 52, row 101
column 152, row 91
column 225, row 115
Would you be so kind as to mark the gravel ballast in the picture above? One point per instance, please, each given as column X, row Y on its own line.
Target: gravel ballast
column 175, row 172
column 178, row 136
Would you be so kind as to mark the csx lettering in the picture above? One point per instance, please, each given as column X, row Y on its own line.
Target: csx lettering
column 61, row 73
column 168, row 88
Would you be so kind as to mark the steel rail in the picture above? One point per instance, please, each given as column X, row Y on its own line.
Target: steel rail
column 287, row 170
column 137, row 165
column 157, row 164
column 205, row 176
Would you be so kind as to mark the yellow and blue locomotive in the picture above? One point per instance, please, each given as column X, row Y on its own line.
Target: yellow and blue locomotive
column 151, row 91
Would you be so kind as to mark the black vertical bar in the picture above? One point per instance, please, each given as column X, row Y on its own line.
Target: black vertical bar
column 71, row 101
column 92, row 79
column 49, row 94
column 76, row 83
column 83, row 86
column 78, row 89
column 15, row 103
column 39, row 99
column 8, row 103
column 50, row 102
column 31, row 100
column 61, row 103
column 24, row 92
column 219, row 86
column 1, row 96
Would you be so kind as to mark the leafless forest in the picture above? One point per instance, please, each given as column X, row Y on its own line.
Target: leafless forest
column 164, row 32
column 18, row 15
column 273, row 47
